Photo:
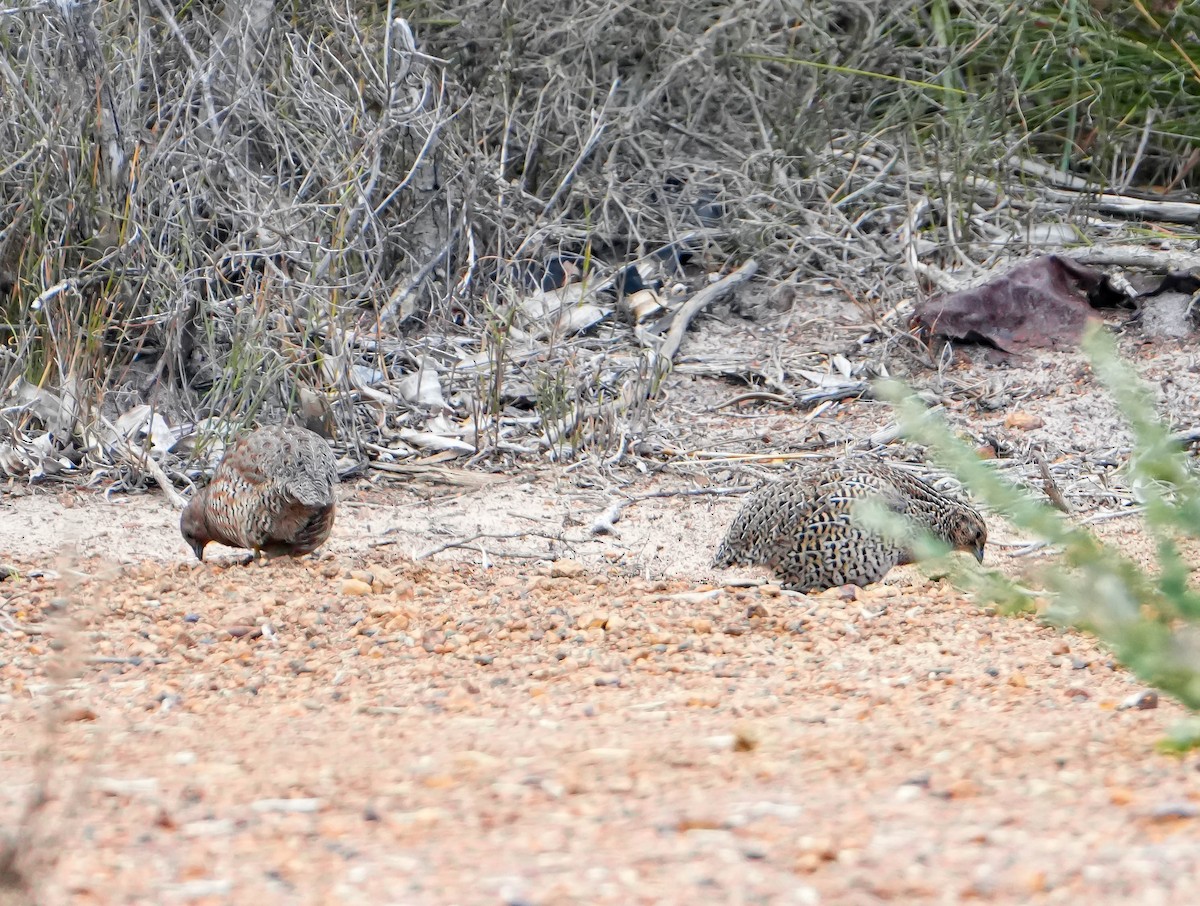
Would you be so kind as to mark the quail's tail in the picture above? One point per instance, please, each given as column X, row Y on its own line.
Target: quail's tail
column 312, row 491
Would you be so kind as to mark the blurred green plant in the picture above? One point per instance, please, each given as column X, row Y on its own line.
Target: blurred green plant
column 1149, row 617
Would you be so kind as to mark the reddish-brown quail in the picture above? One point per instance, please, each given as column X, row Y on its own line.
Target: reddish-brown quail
column 273, row 492
column 804, row 529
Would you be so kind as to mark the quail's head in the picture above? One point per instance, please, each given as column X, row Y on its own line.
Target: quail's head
column 193, row 524
column 967, row 531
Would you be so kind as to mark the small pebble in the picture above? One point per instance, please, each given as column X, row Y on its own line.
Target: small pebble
column 566, row 569
column 1146, row 700
column 293, row 806
column 1174, row 811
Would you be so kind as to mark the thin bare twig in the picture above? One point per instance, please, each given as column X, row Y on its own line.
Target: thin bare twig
column 491, row 536
column 605, row 523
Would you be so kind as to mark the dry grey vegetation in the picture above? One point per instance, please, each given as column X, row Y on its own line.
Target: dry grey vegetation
column 211, row 213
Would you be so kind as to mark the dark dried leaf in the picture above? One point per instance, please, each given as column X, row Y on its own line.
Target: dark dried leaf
column 1042, row 303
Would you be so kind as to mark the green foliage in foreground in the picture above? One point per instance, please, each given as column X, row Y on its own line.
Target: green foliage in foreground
column 1150, row 618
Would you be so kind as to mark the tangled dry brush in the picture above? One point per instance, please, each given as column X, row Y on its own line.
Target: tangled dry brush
column 215, row 213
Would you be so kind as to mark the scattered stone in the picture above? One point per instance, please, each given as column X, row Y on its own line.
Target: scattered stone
column 113, row 786
column 384, row 577
column 355, row 587
column 696, row 597
column 963, row 788
column 1167, row 314
column 595, row 620
column 202, row 889
column 293, row 806
column 1175, row 811
column 746, row 738
column 243, row 631
column 906, row 792
column 1146, row 700
column 566, row 569
column 1023, row 421
column 248, row 616
column 1120, row 796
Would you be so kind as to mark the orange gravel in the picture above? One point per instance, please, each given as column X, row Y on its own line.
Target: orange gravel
column 352, row 730
column 358, row 729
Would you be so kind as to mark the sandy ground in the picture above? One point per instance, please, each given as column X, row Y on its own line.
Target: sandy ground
column 558, row 717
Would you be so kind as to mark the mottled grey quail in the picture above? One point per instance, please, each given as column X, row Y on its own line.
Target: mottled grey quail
column 273, row 492
column 803, row 527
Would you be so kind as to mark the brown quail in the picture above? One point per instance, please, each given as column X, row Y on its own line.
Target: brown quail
column 804, row 529
column 273, row 492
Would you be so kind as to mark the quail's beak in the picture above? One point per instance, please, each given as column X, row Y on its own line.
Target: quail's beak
column 198, row 549
column 978, row 552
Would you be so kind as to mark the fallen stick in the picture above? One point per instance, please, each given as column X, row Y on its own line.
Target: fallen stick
column 1071, row 187
column 1050, row 486
column 491, row 536
column 435, row 474
column 756, row 396
column 1159, row 261
column 605, row 523
column 699, row 302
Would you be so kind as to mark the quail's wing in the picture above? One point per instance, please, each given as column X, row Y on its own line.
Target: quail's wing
column 764, row 521
column 312, row 470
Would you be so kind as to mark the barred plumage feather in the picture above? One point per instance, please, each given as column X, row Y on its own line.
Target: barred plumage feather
column 273, row 491
column 804, row 527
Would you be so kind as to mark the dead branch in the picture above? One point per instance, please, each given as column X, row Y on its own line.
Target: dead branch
column 697, row 304
column 493, row 536
column 1072, row 188
column 605, row 523
column 1158, row 261
column 755, row 397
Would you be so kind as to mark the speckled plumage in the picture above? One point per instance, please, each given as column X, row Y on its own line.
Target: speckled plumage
column 803, row 527
column 273, row 492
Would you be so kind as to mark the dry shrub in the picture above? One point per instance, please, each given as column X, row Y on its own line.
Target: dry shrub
column 207, row 197
column 208, row 207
